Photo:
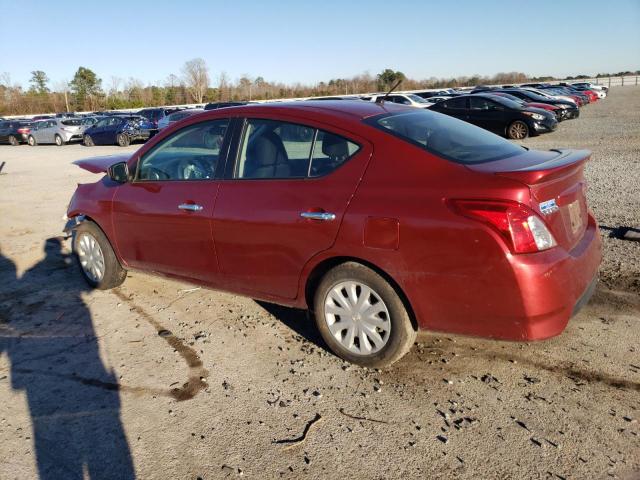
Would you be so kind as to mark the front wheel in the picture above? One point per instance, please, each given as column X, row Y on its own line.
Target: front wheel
column 361, row 317
column 13, row 140
column 123, row 140
column 98, row 262
column 32, row 141
column 87, row 141
column 518, row 130
column 58, row 140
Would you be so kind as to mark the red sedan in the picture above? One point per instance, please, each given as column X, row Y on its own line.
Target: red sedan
column 379, row 218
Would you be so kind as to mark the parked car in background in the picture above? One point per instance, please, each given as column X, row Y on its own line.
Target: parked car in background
column 570, row 108
column 119, row 130
column 15, row 132
column 559, row 90
column 154, row 115
column 499, row 115
column 576, row 102
column 217, row 105
column 557, row 111
column 64, row 114
column 42, row 117
column 177, row 116
column 600, row 93
column 90, row 120
column 409, row 99
column 591, row 86
column 468, row 251
column 56, row 130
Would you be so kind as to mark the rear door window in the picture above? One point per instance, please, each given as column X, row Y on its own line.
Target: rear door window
column 459, row 103
column 272, row 149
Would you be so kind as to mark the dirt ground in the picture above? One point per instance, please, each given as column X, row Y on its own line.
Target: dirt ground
column 159, row 380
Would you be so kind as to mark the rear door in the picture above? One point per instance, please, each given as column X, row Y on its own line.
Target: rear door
column 162, row 219
column 282, row 201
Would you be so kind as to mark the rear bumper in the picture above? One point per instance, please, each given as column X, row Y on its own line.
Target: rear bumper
column 555, row 285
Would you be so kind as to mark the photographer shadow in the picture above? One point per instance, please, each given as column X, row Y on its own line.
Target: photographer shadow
column 46, row 330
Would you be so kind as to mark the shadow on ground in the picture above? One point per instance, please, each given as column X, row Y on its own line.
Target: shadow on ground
column 47, row 333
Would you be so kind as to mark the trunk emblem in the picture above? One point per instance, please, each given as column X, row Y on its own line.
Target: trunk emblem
column 548, row 207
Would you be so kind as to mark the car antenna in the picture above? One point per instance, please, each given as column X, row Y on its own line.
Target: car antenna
column 386, row 95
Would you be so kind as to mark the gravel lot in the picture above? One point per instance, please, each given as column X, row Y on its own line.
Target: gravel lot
column 160, row 380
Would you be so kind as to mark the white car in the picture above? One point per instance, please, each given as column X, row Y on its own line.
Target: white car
column 409, row 99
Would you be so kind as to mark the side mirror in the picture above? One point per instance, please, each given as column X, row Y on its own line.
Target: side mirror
column 119, row 172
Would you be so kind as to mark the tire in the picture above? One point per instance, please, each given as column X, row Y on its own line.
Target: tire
column 32, row 141
column 13, row 140
column 110, row 273
column 123, row 140
column 58, row 140
column 87, row 141
column 393, row 327
column 518, row 130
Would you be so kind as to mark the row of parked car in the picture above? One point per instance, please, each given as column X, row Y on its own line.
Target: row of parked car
column 512, row 111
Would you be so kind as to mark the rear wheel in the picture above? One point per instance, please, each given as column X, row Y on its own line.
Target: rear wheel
column 361, row 317
column 13, row 140
column 32, row 141
column 87, row 141
column 123, row 140
column 98, row 262
column 518, row 130
column 58, row 140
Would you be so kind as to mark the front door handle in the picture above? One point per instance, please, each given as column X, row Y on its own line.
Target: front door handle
column 324, row 216
column 191, row 207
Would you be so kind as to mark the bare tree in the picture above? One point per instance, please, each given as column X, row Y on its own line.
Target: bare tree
column 196, row 78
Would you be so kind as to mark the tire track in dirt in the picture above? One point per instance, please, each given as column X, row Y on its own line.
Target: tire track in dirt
column 196, row 380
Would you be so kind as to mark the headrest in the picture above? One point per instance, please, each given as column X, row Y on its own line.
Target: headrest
column 334, row 146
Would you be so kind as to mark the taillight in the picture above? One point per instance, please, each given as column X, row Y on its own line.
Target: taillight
column 522, row 229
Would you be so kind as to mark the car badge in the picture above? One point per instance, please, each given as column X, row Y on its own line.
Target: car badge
column 548, row 207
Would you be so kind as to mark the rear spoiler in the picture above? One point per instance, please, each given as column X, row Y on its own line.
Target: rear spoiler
column 532, row 170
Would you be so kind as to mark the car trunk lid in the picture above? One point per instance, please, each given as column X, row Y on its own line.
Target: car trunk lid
column 556, row 181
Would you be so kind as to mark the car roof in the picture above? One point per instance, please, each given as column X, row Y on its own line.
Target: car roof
column 353, row 108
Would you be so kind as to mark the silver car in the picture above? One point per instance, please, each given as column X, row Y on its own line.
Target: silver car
column 56, row 130
column 177, row 116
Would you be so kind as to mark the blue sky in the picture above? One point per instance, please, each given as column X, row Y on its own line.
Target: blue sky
column 307, row 42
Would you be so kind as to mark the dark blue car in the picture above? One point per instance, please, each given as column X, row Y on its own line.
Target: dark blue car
column 120, row 130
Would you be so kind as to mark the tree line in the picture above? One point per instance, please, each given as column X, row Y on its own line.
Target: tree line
column 194, row 84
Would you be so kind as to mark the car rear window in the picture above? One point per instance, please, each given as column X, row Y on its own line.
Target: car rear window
column 72, row 122
column 447, row 137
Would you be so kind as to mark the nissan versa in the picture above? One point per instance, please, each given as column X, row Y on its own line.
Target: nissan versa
column 379, row 218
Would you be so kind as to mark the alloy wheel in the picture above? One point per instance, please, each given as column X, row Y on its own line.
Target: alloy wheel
column 91, row 257
column 518, row 130
column 357, row 317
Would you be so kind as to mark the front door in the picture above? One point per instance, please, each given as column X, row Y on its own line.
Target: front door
column 162, row 218
column 487, row 114
column 283, row 202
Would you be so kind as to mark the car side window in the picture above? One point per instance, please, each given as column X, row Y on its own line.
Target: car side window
column 189, row 154
column 478, row 103
column 102, row 123
column 459, row 103
column 273, row 149
column 329, row 152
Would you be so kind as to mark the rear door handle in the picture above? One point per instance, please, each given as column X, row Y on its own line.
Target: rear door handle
column 324, row 216
column 191, row 207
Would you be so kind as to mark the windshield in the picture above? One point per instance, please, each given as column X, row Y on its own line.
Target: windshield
column 446, row 136
column 71, row 122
